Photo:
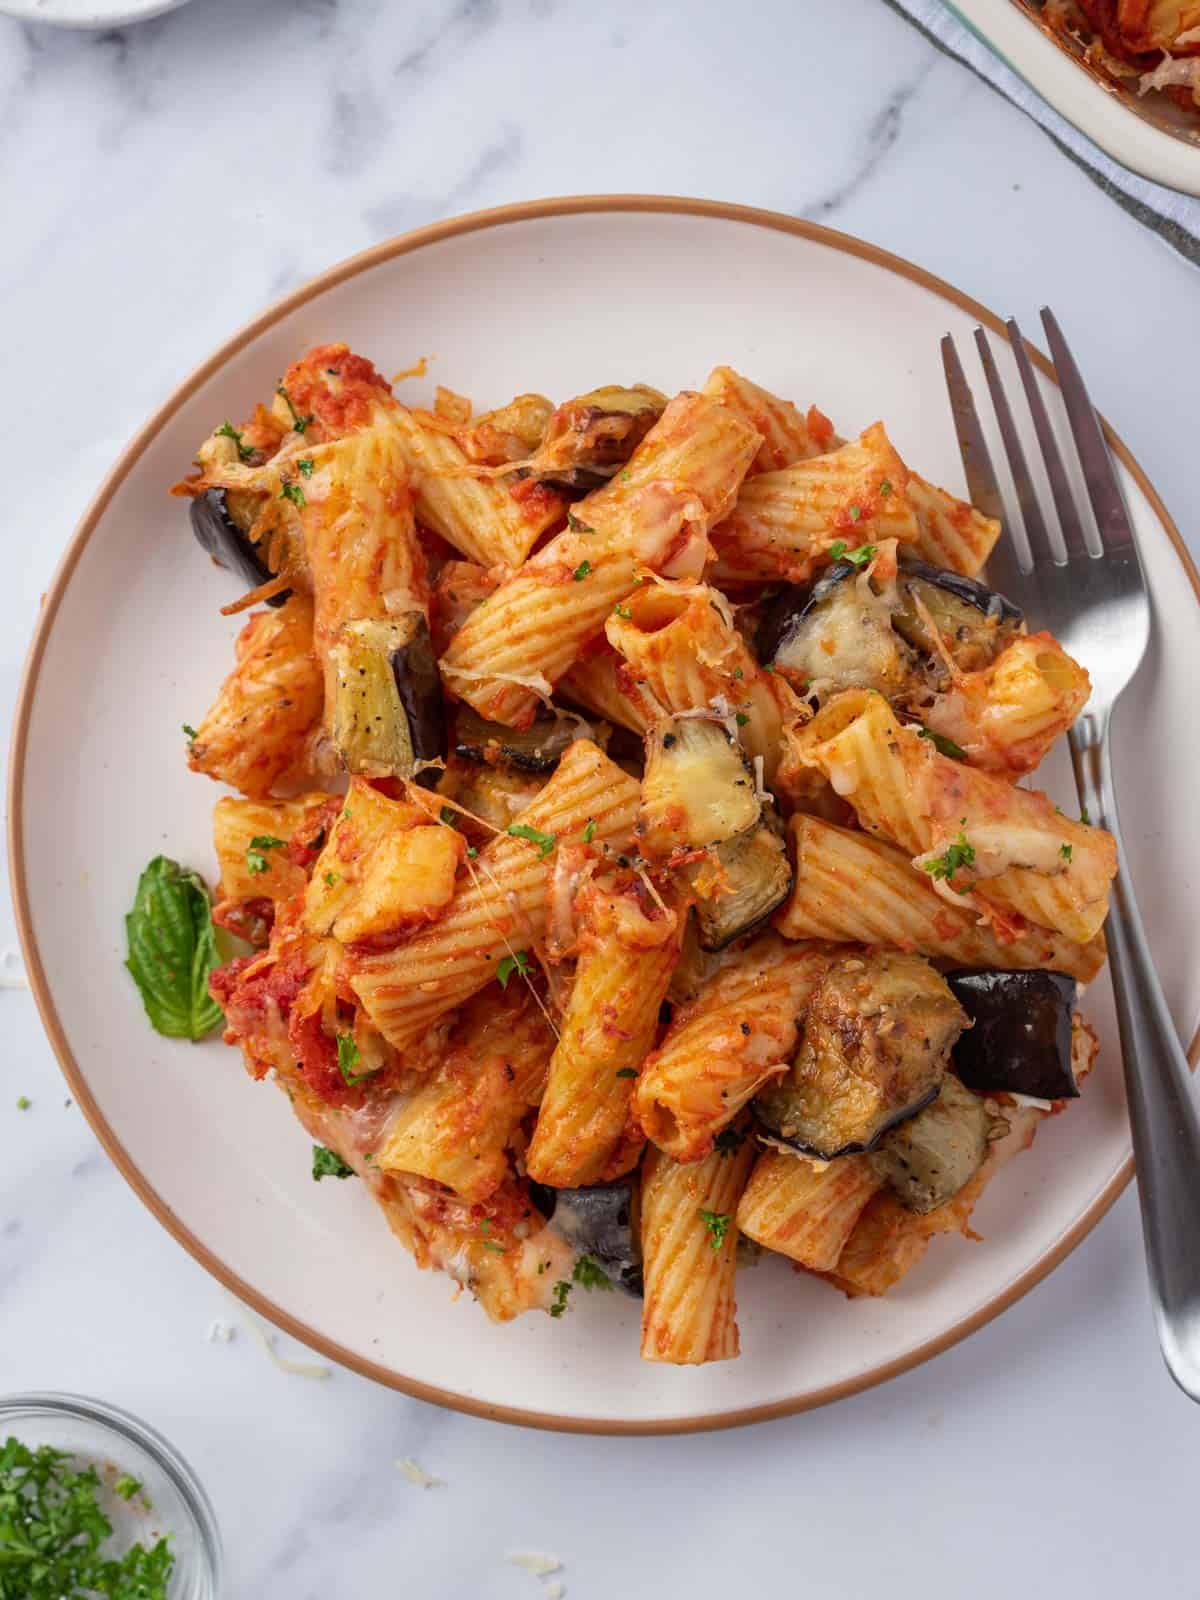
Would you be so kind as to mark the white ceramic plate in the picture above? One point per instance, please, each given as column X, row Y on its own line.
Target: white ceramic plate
column 555, row 296
column 1139, row 134
column 88, row 13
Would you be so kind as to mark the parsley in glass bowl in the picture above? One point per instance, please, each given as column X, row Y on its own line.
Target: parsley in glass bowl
column 93, row 1502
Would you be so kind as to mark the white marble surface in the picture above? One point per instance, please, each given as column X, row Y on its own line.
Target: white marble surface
column 158, row 186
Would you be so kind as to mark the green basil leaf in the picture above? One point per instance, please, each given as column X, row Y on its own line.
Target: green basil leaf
column 172, row 950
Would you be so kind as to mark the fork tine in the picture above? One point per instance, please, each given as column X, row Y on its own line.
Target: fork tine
column 1060, row 484
column 1104, row 491
column 1031, row 512
column 983, row 487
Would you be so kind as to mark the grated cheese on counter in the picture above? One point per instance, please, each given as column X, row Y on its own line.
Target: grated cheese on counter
column 417, row 1474
column 532, row 1561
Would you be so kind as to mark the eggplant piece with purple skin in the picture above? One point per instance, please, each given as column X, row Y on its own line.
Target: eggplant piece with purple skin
column 1020, row 1038
column 975, row 623
column 220, row 534
column 600, row 1221
column 537, row 748
column 388, row 712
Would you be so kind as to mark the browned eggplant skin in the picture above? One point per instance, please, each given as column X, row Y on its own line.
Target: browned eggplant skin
column 877, row 1033
column 219, row 535
column 928, row 1159
column 419, row 684
column 760, row 876
column 536, row 749
column 601, row 1222
column 1020, row 1038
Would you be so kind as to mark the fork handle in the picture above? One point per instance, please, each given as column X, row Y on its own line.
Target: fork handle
column 1158, row 1086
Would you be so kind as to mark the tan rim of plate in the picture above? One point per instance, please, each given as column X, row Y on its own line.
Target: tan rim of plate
column 363, row 262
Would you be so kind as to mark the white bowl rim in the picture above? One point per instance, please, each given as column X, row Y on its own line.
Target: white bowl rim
column 352, row 266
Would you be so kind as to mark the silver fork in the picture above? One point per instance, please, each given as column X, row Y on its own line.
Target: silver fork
column 1095, row 603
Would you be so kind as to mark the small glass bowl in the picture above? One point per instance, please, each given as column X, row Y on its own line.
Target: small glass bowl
column 99, row 1435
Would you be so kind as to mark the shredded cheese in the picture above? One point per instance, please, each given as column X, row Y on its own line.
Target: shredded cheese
column 301, row 1369
column 220, row 1332
column 532, row 1561
column 12, row 973
column 418, row 1475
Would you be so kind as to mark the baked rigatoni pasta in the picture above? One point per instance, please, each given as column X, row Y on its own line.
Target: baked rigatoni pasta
column 628, row 946
column 557, row 707
column 655, row 516
column 853, row 888
column 689, row 1249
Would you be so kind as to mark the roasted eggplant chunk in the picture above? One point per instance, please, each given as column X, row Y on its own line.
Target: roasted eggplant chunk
column 929, row 1158
column 590, row 438
column 1020, row 1041
column 836, row 633
column 698, row 788
column 601, row 1222
column 535, row 749
column 388, row 714
column 877, row 1034
column 219, row 530
column 974, row 622
column 758, row 878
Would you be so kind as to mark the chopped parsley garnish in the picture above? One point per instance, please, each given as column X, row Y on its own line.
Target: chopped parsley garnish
column 256, row 862
column 742, row 719
column 625, row 475
column 947, row 747
column 190, row 733
column 1066, row 851
column 861, row 557
column 559, row 1304
column 471, row 852
column 294, row 493
column 328, row 1164
column 228, row 431
column 885, row 489
column 582, row 571
column 544, row 841
column 299, row 423
column 737, row 672
column 172, row 949
column 589, row 1274
column 53, row 1533
column 1083, row 815
column 448, row 815
column 330, row 879
column 623, row 611
column 576, row 526
column 729, row 1140
column 627, row 1072
column 349, row 1057
column 855, row 513
column 518, row 962
column 23, row 1102
column 717, row 1223
column 485, row 1227
column 959, row 854
column 126, row 1487
column 589, row 833
column 306, row 467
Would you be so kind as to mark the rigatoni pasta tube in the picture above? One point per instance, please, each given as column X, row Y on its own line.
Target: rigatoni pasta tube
column 502, row 907
column 852, row 887
column 805, row 1209
column 491, row 520
column 595, row 684
column 689, row 1255
column 628, row 948
column 251, row 841
column 682, row 652
column 950, row 533
column 456, row 1127
column 723, row 1046
column 784, row 522
column 788, row 434
column 1010, row 848
column 655, row 514
column 1006, row 716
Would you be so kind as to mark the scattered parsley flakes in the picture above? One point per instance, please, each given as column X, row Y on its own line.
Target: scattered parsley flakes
column 855, row 513
column 885, row 489
column 838, row 551
column 228, row 431
column 348, row 1057
column 448, row 815
column 946, row 747
column 53, row 1533
column 23, row 1102
column 1066, row 851
column 582, row 571
column 190, row 734
column 559, row 1303
column 544, row 841
column 627, row 1072
column 330, row 879
column 589, row 1274
column 518, row 962
column 717, row 1223
column 1083, row 815
column 959, row 854
column 576, row 526
column 623, row 612
column 742, row 719
column 625, row 475
column 294, row 493
column 328, row 1164
column 126, row 1486
column 299, row 423
column 589, row 833
column 737, row 672
column 306, row 467
column 256, row 861
column 472, row 852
